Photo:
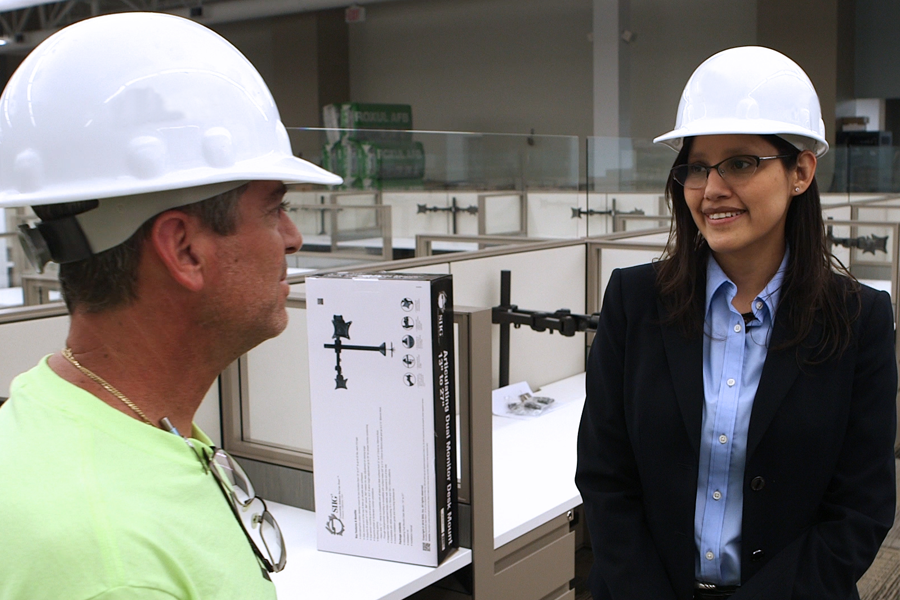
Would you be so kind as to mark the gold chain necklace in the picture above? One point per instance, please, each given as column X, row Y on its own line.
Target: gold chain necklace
column 67, row 354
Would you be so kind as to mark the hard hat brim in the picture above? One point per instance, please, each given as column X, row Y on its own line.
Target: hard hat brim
column 270, row 167
column 799, row 136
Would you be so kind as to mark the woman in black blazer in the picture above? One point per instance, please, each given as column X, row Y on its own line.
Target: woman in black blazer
column 738, row 432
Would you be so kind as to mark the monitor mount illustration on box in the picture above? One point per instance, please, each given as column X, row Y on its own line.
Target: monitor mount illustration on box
column 342, row 330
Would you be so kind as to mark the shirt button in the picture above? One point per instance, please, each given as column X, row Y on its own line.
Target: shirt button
column 737, row 328
column 730, row 382
column 758, row 305
column 723, row 438
column 717, row 495
column 710, row 555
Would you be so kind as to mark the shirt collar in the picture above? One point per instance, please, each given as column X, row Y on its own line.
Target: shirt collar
column 770, row 295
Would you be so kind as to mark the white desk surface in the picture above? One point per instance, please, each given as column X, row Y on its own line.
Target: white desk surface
column 310, row 573
column 534, row 463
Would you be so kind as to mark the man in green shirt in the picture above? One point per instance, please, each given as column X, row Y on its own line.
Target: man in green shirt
column 154, row 156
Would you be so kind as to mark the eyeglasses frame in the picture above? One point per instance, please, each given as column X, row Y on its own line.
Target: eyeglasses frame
column 271, row 565
column 716, row 166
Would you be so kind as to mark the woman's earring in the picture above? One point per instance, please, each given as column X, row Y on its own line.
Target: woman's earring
column 796, row 189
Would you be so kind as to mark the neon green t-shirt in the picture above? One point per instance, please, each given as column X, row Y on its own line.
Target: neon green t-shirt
column 97, row 505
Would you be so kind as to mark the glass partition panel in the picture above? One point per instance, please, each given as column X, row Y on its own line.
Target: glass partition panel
column 626, row 180
column 440, row 183
column 425, row 160
column 856, row 169
column 336, row 235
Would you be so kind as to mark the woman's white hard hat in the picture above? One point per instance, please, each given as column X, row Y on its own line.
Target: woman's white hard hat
column 750, row 90
column 136, row 103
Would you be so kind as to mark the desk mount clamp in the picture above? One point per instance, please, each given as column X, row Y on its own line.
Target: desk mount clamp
column 563, row 320
column 453, row 209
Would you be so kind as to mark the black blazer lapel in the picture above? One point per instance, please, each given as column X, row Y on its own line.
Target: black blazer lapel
column 685, row 357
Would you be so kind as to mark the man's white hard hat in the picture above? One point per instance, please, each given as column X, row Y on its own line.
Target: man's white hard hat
column 144, row 112
column 750, row 90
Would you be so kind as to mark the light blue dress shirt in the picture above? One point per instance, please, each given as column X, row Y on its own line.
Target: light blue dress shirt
column 733, row 358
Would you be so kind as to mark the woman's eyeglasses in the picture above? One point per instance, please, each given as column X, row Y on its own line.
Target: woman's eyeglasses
column 733, row 170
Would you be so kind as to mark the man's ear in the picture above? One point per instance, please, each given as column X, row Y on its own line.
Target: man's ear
column 804, row 172
column 181, row 245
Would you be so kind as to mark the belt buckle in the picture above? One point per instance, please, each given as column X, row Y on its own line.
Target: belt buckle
column 712, row 590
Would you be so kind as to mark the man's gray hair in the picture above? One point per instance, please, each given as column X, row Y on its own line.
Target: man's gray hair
column 109, row 279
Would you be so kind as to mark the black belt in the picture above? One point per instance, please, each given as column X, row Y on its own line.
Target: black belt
column 710, row 591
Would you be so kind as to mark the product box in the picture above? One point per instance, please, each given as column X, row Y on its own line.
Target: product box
column 382, row 378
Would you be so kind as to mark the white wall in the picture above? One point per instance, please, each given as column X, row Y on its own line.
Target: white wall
column 479, row 65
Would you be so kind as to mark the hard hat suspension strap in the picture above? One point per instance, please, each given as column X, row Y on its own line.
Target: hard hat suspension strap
column 61, row 240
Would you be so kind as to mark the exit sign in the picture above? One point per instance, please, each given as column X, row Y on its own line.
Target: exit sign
column 355, row 14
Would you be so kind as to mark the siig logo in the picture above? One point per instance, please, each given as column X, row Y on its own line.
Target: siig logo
column 334, row 525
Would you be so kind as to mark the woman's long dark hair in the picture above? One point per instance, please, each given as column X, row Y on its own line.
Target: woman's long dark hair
column 813, row 295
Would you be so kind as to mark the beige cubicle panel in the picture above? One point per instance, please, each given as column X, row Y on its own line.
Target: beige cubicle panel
column 413, row 212
column 550, row 214
column 627, row 249
column 503, row 213
column 545, row 279
column 29, row 333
